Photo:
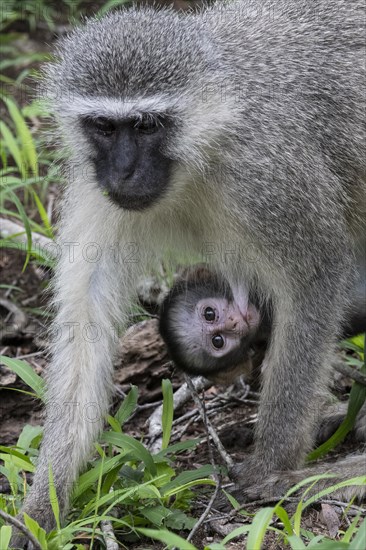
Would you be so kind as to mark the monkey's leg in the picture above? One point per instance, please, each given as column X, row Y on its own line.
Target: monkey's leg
column 294, row 383
column 89, row 300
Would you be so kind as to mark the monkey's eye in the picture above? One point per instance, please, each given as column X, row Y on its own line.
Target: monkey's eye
column 217, row 341
column 209, row 314
column 148, row 125
column 103, row 126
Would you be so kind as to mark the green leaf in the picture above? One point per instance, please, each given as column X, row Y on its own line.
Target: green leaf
column 128, row 406
column 352, row 529
column 359, row 542
column 156, row 514
column 178, row 520
column 43, row 214
column 26, row 373
column 167, row 538
column 114, row 424
column 185, row 486
column 242, row 530
column 295, row 542
column 24, row 135
column 86, row 480
column 181, row 446
column 283, row 516
column 27, row 436
column 5, row 534
column 26, row 224
column 355, row 481
column 124, row 442
column 258, row 528
column 185, row 478
column 19, row 462
column 53, row 497
column 36, row 530
column 13, row 147
column 357, row 398
column 168, row 412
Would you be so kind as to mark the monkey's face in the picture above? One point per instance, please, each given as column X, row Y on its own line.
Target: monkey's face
column 137, row 109
column 223, row 327
column 211, row 336
column 129, row 160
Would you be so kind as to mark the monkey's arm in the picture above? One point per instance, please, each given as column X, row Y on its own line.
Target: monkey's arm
column 88, row 302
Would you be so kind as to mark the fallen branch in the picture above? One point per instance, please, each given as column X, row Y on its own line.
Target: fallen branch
column 205, row 513
column 345, row 369
column 210, row 429
column 17, row 233
column 18, row 321
column 109, row 536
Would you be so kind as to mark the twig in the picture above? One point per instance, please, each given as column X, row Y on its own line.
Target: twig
column 108, row 535
column 343, row 505
column 345, row 369
column 205, row 513
column 19, row 525
column 18, row 322
column 224, row 455
column 180, row 397
column 11, row 229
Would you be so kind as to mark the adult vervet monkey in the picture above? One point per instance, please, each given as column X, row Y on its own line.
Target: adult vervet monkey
column 243, row 127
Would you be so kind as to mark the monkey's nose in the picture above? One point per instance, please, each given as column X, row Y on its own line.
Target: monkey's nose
column 236, row 323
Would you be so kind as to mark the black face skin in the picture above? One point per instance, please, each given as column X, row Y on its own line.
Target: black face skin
column 128, row 158
column 206, row 333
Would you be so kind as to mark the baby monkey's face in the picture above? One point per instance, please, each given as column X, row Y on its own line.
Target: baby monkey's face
column 225, row 326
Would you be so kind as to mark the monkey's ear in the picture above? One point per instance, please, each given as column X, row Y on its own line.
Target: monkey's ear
column 198, row 273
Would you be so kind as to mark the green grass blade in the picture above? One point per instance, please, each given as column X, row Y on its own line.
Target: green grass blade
column 259, row 527
column 168, row 538
column 11, row 144
column 124, row 442
column 26, row 373
column 359, row 542
column 5, row 534
column 24, row 134
column 356, row 400
column 168, row 412
column 43, row 214
column 53, row 498
column 128, row 406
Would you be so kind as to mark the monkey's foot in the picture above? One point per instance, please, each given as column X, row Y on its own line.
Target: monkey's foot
column 251, row 486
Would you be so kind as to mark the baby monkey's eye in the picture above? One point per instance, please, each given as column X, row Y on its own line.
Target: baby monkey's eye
column 217, row 341
column 209, row 314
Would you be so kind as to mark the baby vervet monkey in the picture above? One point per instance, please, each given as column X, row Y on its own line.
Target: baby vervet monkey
column 241, row 124
column 211, row 329
column 215, row 331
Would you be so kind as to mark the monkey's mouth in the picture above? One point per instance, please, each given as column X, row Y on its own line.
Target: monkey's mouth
column 132, row 201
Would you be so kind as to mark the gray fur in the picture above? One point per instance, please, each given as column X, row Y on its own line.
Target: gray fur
column 269, row 156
